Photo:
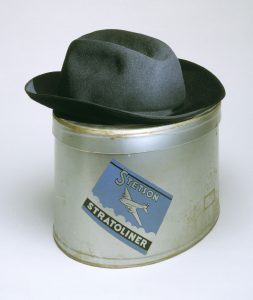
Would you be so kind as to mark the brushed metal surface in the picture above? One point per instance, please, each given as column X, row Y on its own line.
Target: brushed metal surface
column 180, row 158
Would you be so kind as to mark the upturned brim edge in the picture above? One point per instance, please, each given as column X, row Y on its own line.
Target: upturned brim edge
column 203, row 90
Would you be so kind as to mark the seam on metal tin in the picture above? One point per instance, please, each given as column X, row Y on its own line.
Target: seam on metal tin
column 141, row 262
column 131, row 130
column 132, row 153
column 140, row 141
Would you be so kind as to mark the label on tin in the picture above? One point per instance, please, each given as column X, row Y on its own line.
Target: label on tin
column 128, row 206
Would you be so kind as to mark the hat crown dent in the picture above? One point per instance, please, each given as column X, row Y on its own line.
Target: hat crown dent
column 141, row 43
column 122, row 70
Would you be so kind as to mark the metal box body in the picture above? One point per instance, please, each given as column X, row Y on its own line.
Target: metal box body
column 181, row 158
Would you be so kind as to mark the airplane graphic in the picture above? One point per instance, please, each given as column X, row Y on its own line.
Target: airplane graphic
column 132, row 206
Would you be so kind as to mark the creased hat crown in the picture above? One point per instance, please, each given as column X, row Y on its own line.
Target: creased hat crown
column 120, row 77
column 123, row 70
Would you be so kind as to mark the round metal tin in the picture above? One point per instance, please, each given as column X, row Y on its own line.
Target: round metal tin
column 159, row 184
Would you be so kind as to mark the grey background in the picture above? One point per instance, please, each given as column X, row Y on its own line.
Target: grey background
column 34, row 38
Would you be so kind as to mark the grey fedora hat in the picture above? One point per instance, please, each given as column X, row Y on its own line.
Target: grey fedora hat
column 115, row 76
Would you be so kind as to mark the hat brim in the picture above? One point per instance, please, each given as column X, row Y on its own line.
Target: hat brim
column 203, row 91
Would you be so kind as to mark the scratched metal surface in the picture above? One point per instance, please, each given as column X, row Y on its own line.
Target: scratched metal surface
column 181, row 159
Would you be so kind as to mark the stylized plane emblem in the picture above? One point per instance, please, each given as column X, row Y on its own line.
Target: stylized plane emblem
column 132, row 205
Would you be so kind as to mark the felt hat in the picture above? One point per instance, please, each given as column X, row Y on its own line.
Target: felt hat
column 116, row 76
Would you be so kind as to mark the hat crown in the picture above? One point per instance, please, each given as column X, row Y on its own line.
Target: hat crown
column 122, row 70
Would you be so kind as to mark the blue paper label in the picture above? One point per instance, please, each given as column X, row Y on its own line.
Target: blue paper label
column 128, row 206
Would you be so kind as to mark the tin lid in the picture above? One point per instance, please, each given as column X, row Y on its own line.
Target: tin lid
column 129, row 139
